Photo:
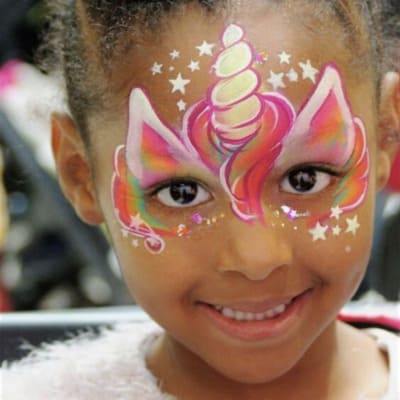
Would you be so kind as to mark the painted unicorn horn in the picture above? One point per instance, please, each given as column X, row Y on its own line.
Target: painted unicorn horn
column 236, row 105
column 250, row 125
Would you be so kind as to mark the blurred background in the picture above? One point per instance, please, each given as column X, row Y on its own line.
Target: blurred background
column 49, row 259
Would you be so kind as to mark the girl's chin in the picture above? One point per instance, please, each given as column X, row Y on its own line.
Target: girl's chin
column 255, row 370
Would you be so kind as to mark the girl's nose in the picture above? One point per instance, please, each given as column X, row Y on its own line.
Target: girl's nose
column 254, row 250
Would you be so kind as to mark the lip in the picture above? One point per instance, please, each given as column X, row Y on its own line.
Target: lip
column 251, row 331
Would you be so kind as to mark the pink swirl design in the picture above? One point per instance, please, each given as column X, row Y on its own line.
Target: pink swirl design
column 238, row 130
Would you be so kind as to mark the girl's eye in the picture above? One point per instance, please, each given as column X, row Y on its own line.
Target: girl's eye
column 182, row 194
column 307, row 180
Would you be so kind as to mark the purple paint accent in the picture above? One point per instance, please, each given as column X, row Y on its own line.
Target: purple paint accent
column 197, row 218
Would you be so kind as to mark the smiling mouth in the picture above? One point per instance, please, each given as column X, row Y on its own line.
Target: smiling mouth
column 253, row 321
column 256, row 312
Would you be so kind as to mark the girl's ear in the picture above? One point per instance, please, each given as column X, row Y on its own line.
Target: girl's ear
column 73, row 168
column 389, row 126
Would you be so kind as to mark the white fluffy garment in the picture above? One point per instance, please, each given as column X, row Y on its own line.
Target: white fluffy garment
column 109, row 366
column 112, row 366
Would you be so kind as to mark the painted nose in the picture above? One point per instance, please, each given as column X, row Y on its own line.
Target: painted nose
column 254, row 250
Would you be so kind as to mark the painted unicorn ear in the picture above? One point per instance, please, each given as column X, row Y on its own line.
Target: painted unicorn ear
column 153, row 150
column 329, row 133
column 325, row 125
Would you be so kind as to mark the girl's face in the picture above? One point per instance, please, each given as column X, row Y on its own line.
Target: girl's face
column 237, row 180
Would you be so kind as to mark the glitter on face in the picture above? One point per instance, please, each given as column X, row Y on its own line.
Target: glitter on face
column 197, row 218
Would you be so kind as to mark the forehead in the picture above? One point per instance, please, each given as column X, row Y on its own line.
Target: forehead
column 270, row 31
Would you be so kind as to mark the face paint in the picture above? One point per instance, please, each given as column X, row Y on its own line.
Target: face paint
column 247, row 126
column 326, row 128
column 129, row 206
column 293, row 214
column 239, row 133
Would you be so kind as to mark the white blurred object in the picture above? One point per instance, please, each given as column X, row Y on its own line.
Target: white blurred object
column 28, row 97
column 392, row 206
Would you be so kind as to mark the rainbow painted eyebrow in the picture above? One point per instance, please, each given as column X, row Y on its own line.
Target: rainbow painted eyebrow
column 239, row 132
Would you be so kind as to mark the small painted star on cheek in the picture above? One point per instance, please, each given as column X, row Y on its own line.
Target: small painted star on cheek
column 336, row 212
column 293, row 76
column 125, row 233
column 156, row 68
column 337, row 230
column 284, row 58
column 276, row 80
column 309, row 72
column 319, row 232
column 179, row 84
column 135, row 243
column 136, row 221
column 206, row 49
column 181, row 105
column 175, row 54
column 194, row 66
column 352, row 225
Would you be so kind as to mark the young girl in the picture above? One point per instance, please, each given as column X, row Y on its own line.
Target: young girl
column 234, row 150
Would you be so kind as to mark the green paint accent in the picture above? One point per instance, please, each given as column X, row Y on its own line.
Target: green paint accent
column 141, row 206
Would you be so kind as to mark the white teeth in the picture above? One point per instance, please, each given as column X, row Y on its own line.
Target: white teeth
column 260, row 316
column 249, row 316
column 228, row 312
column 280, row 309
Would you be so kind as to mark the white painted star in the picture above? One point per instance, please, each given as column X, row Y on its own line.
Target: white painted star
column 276, row 80
column 179, row 84
column 293, row 76
column 175, row 54
column 135, row 243
column 125, row 233
column 336, row 212
column 194, row 66
column 156, row 68
column 284, row 58
column 136, row 221
column 153, row 241
column 337, row 230
column 309, row 72
column 352, row 225
column 206, row 49
column 318, row 233
column 181, row 105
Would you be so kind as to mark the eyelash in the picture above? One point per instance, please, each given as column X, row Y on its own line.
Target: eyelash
column 318, row 167
column 322, row 168
column 152, row 191
column 155, row 190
